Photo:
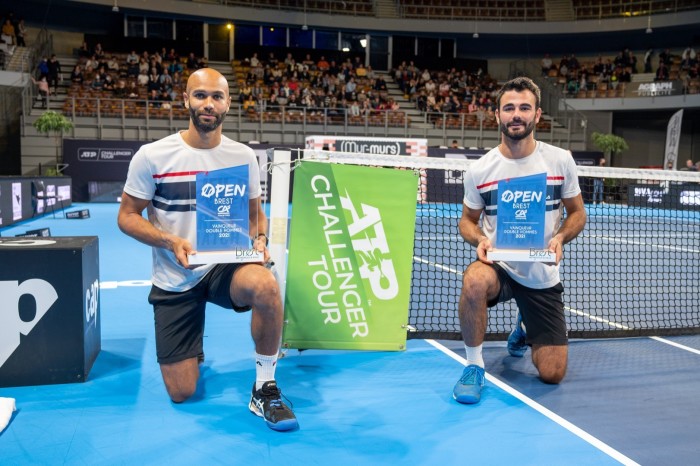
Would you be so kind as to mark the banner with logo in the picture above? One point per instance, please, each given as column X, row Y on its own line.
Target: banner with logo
column 350, row 257
column 673, row 136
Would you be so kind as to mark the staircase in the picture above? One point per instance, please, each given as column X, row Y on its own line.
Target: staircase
column 559, row 10
column 20, row 60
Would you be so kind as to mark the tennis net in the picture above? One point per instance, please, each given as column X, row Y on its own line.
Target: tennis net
column 633, row 271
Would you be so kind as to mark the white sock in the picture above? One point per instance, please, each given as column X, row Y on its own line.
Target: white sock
column 264, row 369
column 474, row 355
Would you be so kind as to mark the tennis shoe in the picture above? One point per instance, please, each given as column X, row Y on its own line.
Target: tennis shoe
column 516, row 340
column 267, row 403
column 468, row 389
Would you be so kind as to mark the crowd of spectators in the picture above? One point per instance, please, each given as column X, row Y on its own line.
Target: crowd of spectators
column 12, row 34
column 320, row 87
column 324, row 86
column 613, row 73
column 157, row 77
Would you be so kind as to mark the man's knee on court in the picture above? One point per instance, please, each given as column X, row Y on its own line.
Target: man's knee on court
column 180, row 392
column 552, row 376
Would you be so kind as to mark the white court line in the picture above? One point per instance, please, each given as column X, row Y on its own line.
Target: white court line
column 624, row 327
column 643, row 243
column 677, row 345
column 600, row 445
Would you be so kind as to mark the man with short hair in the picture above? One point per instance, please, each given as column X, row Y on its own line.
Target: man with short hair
column 160, row 178
column 535, row 286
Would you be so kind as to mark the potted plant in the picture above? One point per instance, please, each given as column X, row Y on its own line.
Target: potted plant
column 53, row 124
column 610, row 144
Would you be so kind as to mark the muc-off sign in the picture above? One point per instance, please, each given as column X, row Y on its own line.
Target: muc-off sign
column 360, row 145
column 50, row 310
column 223, row 217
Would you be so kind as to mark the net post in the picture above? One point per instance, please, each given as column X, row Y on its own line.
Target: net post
column 279, row 214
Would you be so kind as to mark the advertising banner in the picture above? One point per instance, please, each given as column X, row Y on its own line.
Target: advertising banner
column 673, row 135
column 350, row 257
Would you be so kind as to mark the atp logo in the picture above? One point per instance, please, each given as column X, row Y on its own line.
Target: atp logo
column 12, row 323
column 91, row 301
column 370, row 243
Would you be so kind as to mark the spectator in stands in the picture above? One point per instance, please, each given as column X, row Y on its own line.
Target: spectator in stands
column 598, row 185
column 647, row 60
column 546, row 64
column 536, row 287
column 21, row 33
column 120, row 91
column 254, row 62
column 84, row 51
column 132, row 90
column 689, row 166
column 662, row 72
column 632, row 63
column 573, row 63
column 43, row 89
column 44, row 68
column 142, row 79
column 98, row 52
column 165, row 80
column 191, row 63
column 308, row 62
column 172, row 56
column 666, row 57
column 132, row 64
column 154, row 98
column 108, row 83
column 8, row 33
column 76, row 75
column 113, row 64
column 272, row 102
column 174, row 67
column 153, row 80
column 97, row 82
column 455, row 145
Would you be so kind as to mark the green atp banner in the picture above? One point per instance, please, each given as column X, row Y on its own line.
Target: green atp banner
column 350, row 257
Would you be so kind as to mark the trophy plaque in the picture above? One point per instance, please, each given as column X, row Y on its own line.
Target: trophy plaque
column 522, row 204
column 222, row 218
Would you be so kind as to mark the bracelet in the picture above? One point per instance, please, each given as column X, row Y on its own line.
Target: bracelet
column 267, row 240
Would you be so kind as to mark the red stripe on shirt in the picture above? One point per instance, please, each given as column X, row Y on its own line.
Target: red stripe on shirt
column 490, row 183
column 166, row 175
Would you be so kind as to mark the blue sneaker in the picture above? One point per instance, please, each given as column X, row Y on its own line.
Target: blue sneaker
column 516, row 339
column 468, row 389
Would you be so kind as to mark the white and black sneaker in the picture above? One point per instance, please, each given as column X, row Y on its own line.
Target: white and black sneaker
column 267, row 403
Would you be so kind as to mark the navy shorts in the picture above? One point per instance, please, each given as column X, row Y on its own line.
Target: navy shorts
column 179, row 316
column 542, row 309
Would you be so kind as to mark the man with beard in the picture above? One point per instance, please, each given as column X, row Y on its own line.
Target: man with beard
column 161, row 179
column 535, row 286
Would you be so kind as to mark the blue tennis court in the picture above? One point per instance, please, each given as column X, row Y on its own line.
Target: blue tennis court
column 623, row 401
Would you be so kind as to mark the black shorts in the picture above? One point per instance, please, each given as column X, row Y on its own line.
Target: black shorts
column 542, row 309
column 179, row 316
